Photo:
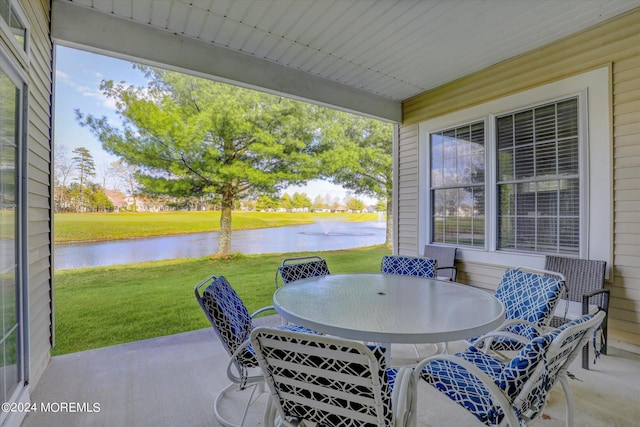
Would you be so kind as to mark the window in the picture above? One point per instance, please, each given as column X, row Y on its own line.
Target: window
column 14, row 22
column 457, row 185
column 538, row 186
column 518, row 177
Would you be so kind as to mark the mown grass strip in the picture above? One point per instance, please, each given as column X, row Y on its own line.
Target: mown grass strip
column 70, row 227
column 98, row 307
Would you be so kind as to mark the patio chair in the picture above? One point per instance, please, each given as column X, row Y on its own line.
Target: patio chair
column 233, row 324
column 408, row 266
column 293, row 269
column 516, row 391
column 529, row 297
column 585, row 294
column 445, row 257
column 329, row 381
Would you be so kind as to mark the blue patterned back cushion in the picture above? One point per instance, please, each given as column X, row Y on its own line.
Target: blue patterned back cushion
column 293, row 272
column 409, row 266
column 528, row 296
column 230, row 316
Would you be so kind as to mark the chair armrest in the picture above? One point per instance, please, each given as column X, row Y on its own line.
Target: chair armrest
column 476, row 375
column 587, row 295
column 403, row 396
column 262, row 310
column 540, row 330
column 452, row 267
column 484, row 342
column 238, row 375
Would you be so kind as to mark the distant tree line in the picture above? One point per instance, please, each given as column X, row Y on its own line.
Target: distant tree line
column 77, row 190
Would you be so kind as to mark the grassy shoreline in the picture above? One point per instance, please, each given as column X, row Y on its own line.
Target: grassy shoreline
column 103, row 306
column 93, row 227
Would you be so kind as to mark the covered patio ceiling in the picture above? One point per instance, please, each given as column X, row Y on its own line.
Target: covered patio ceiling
column 362, row 56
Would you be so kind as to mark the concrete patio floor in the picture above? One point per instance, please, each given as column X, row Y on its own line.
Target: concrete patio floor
column 172, row 380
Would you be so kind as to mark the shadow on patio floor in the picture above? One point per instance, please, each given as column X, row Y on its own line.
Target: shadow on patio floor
column 172, row 380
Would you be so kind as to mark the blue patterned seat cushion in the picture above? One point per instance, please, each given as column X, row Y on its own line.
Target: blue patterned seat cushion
column 409, row 266
column 469, row 392
column 466, row 390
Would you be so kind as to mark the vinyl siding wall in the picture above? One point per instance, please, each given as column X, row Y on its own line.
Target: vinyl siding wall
column 39, row 208
column 615, row 43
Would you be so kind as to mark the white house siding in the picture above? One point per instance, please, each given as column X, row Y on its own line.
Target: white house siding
column 39, row 207
column 407, row 188
column 616, row 42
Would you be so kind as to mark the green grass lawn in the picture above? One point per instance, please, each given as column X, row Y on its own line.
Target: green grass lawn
column 97, row 307
column 71, row 227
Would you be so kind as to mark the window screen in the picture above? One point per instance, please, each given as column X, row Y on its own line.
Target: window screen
column 538, row 189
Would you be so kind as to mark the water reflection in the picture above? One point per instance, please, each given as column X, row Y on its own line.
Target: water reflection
column 322, row 236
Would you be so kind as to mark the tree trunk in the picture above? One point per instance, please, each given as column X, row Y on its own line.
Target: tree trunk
column 389, row 238
column 225, row 226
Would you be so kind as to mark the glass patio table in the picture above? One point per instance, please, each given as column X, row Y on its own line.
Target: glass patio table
column 387, row 309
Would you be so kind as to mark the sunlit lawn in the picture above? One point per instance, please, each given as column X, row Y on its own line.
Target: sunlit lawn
column 71, row 227
column 97, row 307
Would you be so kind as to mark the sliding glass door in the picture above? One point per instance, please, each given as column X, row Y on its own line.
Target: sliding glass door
column 11, row 354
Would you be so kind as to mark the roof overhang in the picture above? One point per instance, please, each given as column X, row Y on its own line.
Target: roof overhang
column 361, row 56
column 91, row 30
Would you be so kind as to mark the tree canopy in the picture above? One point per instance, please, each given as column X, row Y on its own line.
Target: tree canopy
column 191, row 136
column 357, row 153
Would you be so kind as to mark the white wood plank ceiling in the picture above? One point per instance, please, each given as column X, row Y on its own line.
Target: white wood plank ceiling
column 390, row 49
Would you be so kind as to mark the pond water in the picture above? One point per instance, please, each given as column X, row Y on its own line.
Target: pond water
column 321, row 236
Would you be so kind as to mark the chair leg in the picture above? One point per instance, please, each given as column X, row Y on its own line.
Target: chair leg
column 568, row 394
column 585, row 356
column 253, row 397
column 604, row 334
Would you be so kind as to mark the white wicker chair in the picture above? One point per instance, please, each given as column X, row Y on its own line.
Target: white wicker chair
column 328, row 381
column 515, row 391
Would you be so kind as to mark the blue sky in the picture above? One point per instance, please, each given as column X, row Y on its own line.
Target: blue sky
column 77, row 86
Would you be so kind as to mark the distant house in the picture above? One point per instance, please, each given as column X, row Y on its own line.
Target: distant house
column 118, row 199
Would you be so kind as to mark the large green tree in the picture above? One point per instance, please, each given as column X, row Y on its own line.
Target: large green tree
column 358, row 154
column 192, row 137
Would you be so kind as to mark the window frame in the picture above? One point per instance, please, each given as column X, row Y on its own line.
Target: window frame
column 593, row 89
column 9, row 66
column 7, row 34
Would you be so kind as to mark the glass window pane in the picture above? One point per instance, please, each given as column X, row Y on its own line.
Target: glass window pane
column 569, row 236
column 568, row 119
column 545, row 123
column 13, row 21
column 546, row 161
column 9, row 138
column 524, row 162
column 569, row 197
column 523, row 128
column 456, row 205
column 568, row 157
